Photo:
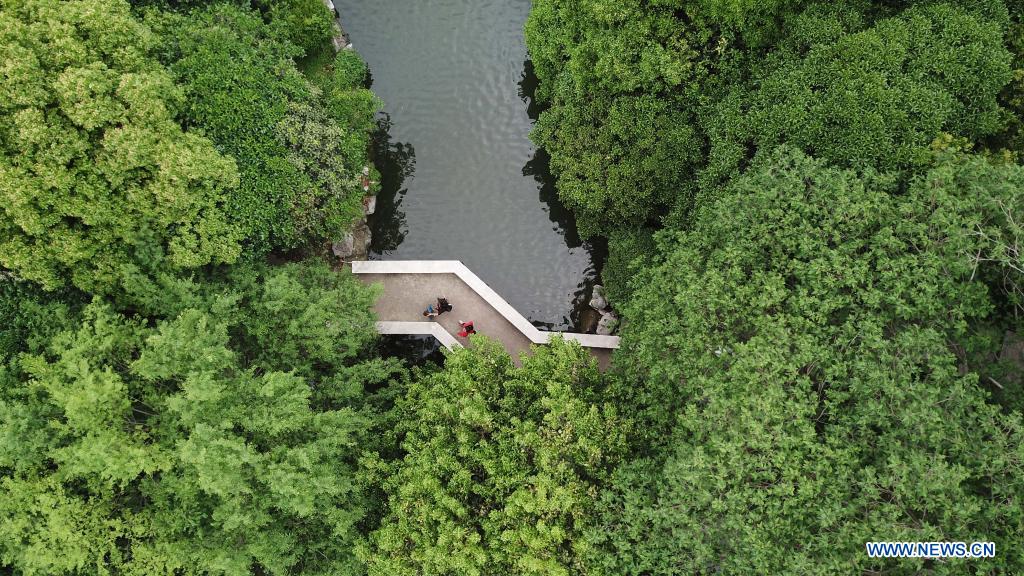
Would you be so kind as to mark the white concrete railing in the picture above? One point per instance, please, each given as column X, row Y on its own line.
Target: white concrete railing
column 420, row 329
column 484, row 291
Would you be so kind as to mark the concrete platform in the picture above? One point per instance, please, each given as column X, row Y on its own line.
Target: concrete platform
column 409, row 286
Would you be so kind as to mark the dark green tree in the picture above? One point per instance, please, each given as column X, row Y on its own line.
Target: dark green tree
column 307, row 24
column 647, row 99
column 299, row 169
column 620, row 127
column 306, row 318
column 872, row 98
column 803, row 390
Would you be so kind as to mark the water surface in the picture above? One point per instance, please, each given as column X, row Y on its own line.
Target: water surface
column 461, row 179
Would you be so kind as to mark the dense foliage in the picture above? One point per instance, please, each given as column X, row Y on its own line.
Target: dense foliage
column 501, row 464
column 800, row 361
column 161, row 412
column 304, row 23
column 819, row 345
column 645, row 102
column 870, row 98
column 194, row 446
column 95, row 171
column 814, row 211
column 621, row 132
column 299, row 152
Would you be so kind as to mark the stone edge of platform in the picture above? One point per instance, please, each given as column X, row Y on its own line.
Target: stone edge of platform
column 484, row 291
column 419, row 329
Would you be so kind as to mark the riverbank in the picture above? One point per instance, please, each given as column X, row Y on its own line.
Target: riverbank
column 355, row 244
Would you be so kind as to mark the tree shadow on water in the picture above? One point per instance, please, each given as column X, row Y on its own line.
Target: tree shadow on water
column 562, row 217
column 539, row 166
column 396, row 162
column 565, row 222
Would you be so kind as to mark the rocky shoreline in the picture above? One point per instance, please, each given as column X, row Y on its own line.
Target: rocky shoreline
column 601, row 319
column 355, row 245
column 340, row 40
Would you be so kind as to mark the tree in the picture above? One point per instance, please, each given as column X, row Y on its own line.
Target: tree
column 305, row 318
column 800, row 393
column 31, row 317
column 752, row 18
column 1012, row 97
column 872, row 98
column 979, row 199
column 500, row 465
column 307, row 24
column 179, row 449
column 95, row 172
column 642, row 97
column 349, row 102
column 629, row 252
column 791, row 458
column 193, row 419
column 300, row 169
column 620, row 128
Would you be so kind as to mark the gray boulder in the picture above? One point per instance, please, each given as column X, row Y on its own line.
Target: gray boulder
column 345, row 247
column 608, row 323
column 598, row 300
column 355, row 245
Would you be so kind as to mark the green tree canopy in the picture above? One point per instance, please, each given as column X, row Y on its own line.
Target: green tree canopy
column 792, row 455
column 873, row 98
column 95, row 172
column 755, row 22
column 300, row 167
column 307, row 24
column 800, row 394
column 180, row 449
column 620, row 133
column 307, row 318
column 647, row 99
column 501, row 464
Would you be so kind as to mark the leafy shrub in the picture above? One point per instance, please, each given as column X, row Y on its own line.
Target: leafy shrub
column 307, row 24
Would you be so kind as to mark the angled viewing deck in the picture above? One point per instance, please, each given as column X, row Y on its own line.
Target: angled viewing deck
column 409, row 285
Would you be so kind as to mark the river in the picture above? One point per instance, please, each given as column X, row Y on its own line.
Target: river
column 460, row 178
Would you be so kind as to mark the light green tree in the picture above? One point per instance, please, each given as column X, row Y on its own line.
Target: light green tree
column 225, row 440
column 95, row 171
column 501, row 464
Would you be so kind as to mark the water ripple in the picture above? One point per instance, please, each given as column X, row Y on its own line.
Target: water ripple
column 450, row 74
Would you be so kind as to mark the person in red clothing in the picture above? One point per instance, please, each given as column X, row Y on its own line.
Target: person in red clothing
column 467, row 328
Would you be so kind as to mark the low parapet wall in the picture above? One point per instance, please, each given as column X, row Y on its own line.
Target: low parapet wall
column 484, row 291
column 419, row 329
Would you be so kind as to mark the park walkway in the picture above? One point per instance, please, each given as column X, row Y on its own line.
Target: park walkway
column 409, row 285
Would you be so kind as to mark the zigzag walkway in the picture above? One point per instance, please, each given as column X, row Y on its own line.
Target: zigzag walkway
column 409, row 285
